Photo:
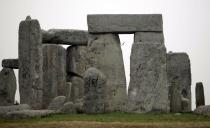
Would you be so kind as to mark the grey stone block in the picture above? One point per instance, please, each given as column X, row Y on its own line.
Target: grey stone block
column 124, row 23
column 65, row 36
column 77, row 89
column 199, row 94
column 30, row 63
column 95, row 92
column 202, row 110
column 148, row 89
column 5, row 109
column 57, row 103
column 54, row 72
column 104, row 53
column 10, row 63
column 175, row 97
column 25, row 114
column 68, row 107
column 7, row 87
column 179, row 71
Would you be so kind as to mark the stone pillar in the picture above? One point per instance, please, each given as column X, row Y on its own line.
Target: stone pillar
column 178, row 71
column 95, row 92
column 104, row 53
column 54, row 72
column 30, row 63
column 7, row 87
column 148, row 89
column 199, row 94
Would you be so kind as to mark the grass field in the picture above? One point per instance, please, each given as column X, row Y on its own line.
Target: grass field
column 112, row 120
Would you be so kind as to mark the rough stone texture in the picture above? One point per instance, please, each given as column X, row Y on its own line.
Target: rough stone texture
column 199, row 94
column 203, row 110
column 25, row 114
column 7, row 87
column 54, row 72
column 30, row 63
column 57, row 103
column 148, row 89
column 68, row 107
column 178, row 71
column 5, row 109
column 175, row 97
column 124, row 23
column 10, row 63
column 77, row 89
column 104, row 53
column 68, row 91
column 79, row 107
column 65, row 36
column 95, row 92
column 76, row 60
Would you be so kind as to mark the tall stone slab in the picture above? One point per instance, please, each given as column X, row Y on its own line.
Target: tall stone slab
column 148, row 89
column 30, row 63
column 76, row 63
column 104, row 53
column 54, row 72
column 199, row 94
column 7, row 87
column 179, row 71
column 95, row 92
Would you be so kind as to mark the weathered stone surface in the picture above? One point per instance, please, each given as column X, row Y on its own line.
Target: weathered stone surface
column 25, row 114
column 10, row 63
column 68, row 91
column 199, row 94
column 76, row 61
column 7, row 87
column 54, row 72
column 5, row 109
column 57, row 103
column 175, row 97
column 148, row 89
column 124, row 23
column 104, row 53
column 203, row 110
column 95, row 92
column 65, row 36
column 79, row 107
column 77, row 88
column 179, row 72
column 68, row 107
column 30, row 63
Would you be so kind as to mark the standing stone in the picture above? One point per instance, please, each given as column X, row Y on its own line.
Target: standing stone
column 104, row 53
column 95, row 92
column 7, row 87
column 30, row 63
column 68, row 90
column 199, row 92
column 178, row 71
column 148, row 89
column 77, row 89
column 54, row 72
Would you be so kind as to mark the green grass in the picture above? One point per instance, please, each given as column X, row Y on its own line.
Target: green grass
column 117, row 117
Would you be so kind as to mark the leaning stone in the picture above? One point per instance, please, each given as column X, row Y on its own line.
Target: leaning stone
column 148, row 89
column 6, row 109
column 179, row 71
column 202, row 110
column 7, row 87
column 30, row 63
column 124, row 23
column 199, row 94
column 10, row 63
column 95, row 92
column 68, row 107
column 104, row 52
column 25, row 114
column 65, row 36
column 57, row 103
column 54, row 72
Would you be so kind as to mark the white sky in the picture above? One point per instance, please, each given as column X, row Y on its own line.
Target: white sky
column 186, row 26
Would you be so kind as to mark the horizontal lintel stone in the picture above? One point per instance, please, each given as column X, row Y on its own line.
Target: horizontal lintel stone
column 124, row 23
column 65, row 37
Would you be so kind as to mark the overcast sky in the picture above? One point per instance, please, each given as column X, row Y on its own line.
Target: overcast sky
column 186, row 26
